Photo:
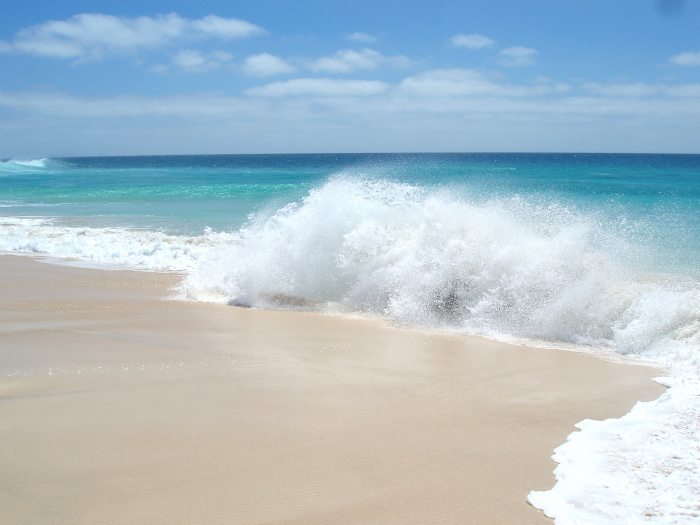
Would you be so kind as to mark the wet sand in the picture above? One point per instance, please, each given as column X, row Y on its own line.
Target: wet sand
column 117, row 406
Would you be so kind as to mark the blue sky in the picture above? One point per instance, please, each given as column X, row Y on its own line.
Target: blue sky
column 97, row 78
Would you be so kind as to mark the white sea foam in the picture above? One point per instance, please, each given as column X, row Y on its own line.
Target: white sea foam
column 495, row 267
column 148, row 250
column 32, row 163
column 640, row 468
column 15, row 204
column 28, row 165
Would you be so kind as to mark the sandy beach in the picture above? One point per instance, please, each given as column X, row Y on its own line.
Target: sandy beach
column 117, row 406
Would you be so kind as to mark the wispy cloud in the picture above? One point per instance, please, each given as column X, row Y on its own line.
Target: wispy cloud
column 94, row 36
column 347, row 60
column 471, row 41
column 73, row 106
column 689, row 58
column 449, row 91
column 265, row 64
column 641, row 90
column 359, row 36
column 324, row 87
column 517, row 56
column 194, row 61
column 225, row 28
column 467, row 83
column 434, row 110
column 637, row 89
column 455, row 92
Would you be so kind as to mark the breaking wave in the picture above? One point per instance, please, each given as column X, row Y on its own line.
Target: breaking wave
column 435, row 259
column 29, row 165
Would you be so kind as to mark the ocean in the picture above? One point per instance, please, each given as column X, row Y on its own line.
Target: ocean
column 582, row 251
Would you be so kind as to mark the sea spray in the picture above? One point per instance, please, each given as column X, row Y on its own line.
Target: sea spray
column 437, row 260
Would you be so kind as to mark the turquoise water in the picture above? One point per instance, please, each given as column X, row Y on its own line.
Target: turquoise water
column 656, row 197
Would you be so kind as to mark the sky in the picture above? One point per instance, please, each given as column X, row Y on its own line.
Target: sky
column 132, row 77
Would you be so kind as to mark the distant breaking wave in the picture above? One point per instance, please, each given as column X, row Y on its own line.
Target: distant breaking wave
column 29, row 165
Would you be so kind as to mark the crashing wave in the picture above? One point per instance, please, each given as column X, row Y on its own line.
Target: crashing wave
column 29, row 165
column 434, row 259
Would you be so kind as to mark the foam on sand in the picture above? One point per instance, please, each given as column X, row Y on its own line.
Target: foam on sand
column 139, row 249
column 640, row 468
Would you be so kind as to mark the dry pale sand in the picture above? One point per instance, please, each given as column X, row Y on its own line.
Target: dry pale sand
column 119, row 407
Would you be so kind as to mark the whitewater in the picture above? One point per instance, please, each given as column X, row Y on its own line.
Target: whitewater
column 526, row 265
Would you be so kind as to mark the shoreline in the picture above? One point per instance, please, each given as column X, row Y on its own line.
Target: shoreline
column 514, row 341
column 124, row 408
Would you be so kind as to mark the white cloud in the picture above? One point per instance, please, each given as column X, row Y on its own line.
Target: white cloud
column 347, row 60
column 320, row 87
column 682, row 91
column 5, row 47
column 64, row 105
column 225, row 28
column 359, row 36
column 161, row 69
column 640, row 89
column 193, row 61
column 689, row 58
column 265, row 64
column 92, row 36
column 517, row 56
column 448, row 82
column 468, row 83
column 374, row 99
column 471, row 41
column 621, row 90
